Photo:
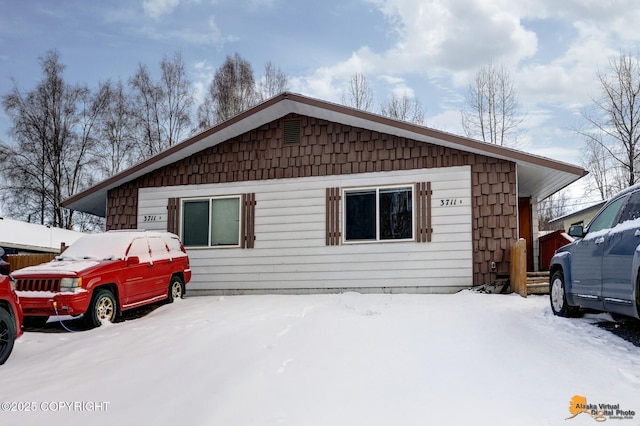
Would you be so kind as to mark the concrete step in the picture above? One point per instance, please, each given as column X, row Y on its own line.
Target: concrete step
column 538, row 282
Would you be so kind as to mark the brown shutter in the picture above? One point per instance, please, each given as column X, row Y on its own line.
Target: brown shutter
column 248, row 221
column 173, row 210
column 333, row 217
column 423, row 212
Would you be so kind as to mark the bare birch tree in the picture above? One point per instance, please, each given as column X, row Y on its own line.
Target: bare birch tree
column 551, row 208
column 54, row 127
column 116, row 143
column 162, row 109
column 492, row 112
column 145, row 101
column 606, row 176
column 359, row 93
column 177, row 99
column 231, row 91
column 403, row 107
column 615, row 116
column 272, row 83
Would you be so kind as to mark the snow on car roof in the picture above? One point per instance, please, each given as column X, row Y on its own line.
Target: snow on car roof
column 109, row 245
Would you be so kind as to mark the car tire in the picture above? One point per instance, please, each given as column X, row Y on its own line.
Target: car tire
column 34, row 322
column 103, row 308
column 176, row 289
column 558, row 296
column 7, row 335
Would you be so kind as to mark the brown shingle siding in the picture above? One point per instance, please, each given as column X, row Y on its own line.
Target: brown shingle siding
column 328, row 148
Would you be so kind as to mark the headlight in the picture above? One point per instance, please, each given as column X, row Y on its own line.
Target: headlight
column 70, row 284
column 14, row 284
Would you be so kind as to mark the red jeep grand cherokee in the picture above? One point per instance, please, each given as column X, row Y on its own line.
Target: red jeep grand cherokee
column 101, row 275
column 10, row 318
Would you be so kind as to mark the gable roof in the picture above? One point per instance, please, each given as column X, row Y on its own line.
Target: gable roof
column 30, row 236
column 538, row 177
column 591, row 210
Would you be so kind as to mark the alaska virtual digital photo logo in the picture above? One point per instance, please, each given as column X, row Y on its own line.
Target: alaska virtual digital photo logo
column 600, row 412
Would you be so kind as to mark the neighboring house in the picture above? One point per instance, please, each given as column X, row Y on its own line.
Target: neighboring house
column 580, row 217
column 18, row 237
column 41, row 243
column 302, row 195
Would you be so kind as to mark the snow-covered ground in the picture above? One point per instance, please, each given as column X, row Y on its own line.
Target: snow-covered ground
column 343, row 359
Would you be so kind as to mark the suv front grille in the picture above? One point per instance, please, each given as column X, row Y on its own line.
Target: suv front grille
column 38, row 284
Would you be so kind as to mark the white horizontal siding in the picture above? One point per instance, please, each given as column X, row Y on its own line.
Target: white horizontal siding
column 290, row 250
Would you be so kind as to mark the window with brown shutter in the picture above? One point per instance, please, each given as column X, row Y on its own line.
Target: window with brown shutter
column 219, row 221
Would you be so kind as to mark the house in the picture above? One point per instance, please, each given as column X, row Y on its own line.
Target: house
column 23, row 244
column 17, row 237
column 580, row 217
column 301, row 195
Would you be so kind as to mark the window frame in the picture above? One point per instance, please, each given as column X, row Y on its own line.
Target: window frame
column 617, row 204
column 377, row 188
column 209, row 200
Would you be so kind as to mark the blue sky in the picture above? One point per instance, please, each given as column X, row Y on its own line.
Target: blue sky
column 429, row 49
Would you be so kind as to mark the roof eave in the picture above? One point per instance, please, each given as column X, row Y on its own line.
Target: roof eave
column 93, row 200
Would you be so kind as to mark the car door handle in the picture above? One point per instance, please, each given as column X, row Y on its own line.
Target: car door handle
column 600, row 240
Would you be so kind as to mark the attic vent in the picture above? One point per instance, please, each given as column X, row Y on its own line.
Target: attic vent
column 291, row 131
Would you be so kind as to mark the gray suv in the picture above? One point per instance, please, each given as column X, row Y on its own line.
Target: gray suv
column 599, row 269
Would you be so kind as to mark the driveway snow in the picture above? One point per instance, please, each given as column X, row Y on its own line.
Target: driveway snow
column 342, row 359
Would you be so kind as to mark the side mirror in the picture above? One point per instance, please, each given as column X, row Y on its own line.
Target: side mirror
column 576, row 231
column 133, row 260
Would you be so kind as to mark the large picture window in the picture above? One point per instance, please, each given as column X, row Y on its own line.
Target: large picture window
column 379, row 214
column 211, row 222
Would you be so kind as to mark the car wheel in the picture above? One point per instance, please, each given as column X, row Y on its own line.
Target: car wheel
column 558, row 296
column 103, row 308
column 7, row 335
column 34, row 322
column 176, row 289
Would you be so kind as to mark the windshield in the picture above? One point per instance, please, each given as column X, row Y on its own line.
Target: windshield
column 107, row 246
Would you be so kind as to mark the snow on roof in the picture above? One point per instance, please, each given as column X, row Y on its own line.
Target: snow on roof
column 31, row 236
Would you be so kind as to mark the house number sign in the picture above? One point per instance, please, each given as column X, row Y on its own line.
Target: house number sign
column 450, row 202
column 152, row 218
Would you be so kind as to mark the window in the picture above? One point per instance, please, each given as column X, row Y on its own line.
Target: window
column 631, row 210
column 379, row 214
column 158, row 248
column 139, row 247
column 605, row 219
column 211, row 222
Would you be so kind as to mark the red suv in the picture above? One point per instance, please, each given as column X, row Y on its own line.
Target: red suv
column 10, row 318
column 101, row 275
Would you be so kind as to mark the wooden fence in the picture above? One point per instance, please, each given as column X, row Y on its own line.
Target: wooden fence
column 19, row 261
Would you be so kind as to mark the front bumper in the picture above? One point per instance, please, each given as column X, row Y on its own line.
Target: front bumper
column 38, row 304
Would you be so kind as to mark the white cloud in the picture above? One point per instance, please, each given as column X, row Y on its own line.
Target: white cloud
column 210, row 35
column 446, row 121
column 157, row 8
column 440, row 37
